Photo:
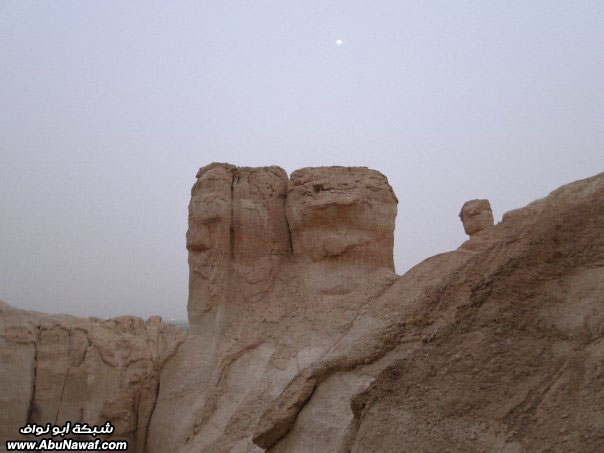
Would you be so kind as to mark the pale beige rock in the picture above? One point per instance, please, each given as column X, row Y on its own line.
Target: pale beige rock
column 342, row 214
column 64, row 368
column 510, row 355
column 284, row 309
column 237, row 235
column 476, row 215
column 259, row 226
column 259, row 231
column 303, row 338
column 209, row 239
column 336, row 325
column 279, row 418
column 17, row 369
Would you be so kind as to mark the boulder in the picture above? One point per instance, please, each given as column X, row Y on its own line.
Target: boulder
column 476, row 215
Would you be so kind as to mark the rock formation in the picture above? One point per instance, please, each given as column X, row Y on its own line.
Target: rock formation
column 285, row 266
column 56, row 369
column 304, row 339
column 476, row 215
column 319, row 346
column 343, row 216
column 237, row 235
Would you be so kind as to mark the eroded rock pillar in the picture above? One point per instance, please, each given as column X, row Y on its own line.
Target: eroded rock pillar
column 237, row 235
column 476, row 215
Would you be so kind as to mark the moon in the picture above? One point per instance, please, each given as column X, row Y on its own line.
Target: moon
column 339, row 42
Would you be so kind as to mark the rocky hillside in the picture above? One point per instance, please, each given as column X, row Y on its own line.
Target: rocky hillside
column 303, row 339
column 59, row 368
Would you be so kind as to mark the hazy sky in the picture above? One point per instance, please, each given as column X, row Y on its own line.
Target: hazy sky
column 107, row 109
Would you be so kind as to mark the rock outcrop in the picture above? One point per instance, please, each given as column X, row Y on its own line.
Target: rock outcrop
column 304, row 339
column 318, row 345
column 343, row 216
column 237, row 235
column 506, row 353
column 476, row 215
column 60, row 368
column 291, row 262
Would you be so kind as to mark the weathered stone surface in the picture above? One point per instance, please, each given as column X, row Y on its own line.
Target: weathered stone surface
column 304, row 339
column 470, row 350
column 280, row 417
column 291, row 296
column 237, row 234
column 17, row 369
column 511, row 351
column 259, row 231
column 56, row 369
column 476, row 215
column 209, row 239
column 342, row 214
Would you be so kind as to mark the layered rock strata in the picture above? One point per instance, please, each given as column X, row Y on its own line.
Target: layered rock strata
column 58, row 369
column 237, row 235
column 495, row 345
column 304, row 339
column 295, row 259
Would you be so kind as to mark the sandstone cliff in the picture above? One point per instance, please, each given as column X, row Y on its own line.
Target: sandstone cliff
column 60, row 368
column 304, row 339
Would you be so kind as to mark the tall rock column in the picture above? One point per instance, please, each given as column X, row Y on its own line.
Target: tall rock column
column 342, row 224
column 237, row 236
column 274, row 269
column 259, row 232
column 209, row 239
